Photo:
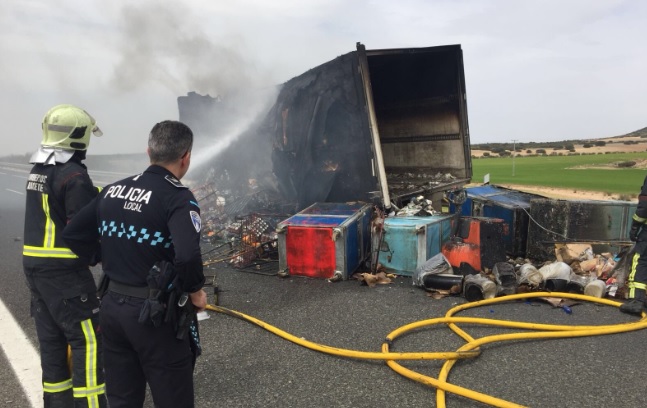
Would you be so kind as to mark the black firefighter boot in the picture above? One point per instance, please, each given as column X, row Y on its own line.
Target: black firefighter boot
column 634, row 306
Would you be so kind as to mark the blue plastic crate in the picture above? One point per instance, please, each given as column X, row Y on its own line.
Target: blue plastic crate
column 407, row 242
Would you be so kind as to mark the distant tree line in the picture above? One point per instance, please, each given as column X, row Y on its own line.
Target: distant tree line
column 565, row 145
column 642, row 133
column 503, row 149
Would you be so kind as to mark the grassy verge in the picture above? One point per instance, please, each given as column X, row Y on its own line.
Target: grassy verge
column 576, row 172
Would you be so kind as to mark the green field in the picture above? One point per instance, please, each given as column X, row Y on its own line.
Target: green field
column 564, row 172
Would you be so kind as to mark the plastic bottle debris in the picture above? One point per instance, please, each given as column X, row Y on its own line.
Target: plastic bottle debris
column 556, row 270
column 505, row 277
column 577, row 283
column 596, row 288
column 529, row 275
column 478, row 287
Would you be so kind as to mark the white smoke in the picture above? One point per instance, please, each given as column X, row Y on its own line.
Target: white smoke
column 163, row 44
column 254, row 107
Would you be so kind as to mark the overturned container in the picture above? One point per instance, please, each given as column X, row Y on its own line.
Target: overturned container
column 325, row 240
column 478, row 241
column 379, row 126
column 512, row 206
column 603, row 224
column 408, row 242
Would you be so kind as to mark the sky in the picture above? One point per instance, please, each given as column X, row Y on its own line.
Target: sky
column 535, row 70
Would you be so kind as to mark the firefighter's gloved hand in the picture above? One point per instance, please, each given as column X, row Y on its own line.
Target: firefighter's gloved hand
column 635, row 230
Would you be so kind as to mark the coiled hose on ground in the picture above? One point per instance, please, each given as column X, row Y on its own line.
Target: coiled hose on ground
column 471, row 348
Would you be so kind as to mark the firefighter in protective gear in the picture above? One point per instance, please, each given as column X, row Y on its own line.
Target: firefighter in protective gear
column 146, row 221
column 64, row 304
column 637, row 281
column 66, row 132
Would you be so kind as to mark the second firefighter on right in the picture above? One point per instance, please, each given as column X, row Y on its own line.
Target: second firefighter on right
column 637, row 282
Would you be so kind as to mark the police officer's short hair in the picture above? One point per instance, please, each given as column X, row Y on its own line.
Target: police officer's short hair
column 168, row 141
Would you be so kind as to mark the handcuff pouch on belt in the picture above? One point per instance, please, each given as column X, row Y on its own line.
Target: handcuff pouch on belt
column 161, row 304
column 167, row 302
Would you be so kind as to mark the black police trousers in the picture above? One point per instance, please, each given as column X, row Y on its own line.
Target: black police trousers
column 65, row 310
column 137, row 353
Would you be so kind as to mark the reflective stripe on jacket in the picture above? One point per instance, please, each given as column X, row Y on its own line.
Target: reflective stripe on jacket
column 55, row 193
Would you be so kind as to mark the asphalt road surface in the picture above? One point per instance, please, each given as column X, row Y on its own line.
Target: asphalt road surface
column 244, row 365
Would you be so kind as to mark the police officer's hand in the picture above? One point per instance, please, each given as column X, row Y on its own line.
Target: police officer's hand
column 635, row 229
column 199, row 300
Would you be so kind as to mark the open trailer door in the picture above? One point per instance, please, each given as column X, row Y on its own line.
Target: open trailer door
column 416, row 104
column 376, row 146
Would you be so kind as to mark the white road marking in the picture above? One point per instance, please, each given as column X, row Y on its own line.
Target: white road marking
column 14, row 191
column 22, row 356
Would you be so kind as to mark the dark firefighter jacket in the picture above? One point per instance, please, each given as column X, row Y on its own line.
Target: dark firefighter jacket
column 640, row 216
column 641, row 209
column 139, row 221
column 55, row 193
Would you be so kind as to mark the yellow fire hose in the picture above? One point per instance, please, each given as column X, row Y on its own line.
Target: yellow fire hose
column 472, row 347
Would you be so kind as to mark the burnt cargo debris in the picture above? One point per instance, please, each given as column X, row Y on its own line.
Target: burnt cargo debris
column 380, row 126
column 603, row 223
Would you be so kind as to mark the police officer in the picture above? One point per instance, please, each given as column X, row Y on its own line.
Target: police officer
column 637, row 281
column 64, row 304
column 140, row 221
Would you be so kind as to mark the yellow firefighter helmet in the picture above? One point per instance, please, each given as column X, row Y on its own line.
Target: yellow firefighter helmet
column 68, row 127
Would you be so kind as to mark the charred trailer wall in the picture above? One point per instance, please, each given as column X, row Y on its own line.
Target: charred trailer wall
column 319, row 131
column 376, row 125
column 604, row 224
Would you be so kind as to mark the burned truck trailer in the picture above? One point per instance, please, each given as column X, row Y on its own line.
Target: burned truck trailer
column 378, row 126
column 373, row 125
